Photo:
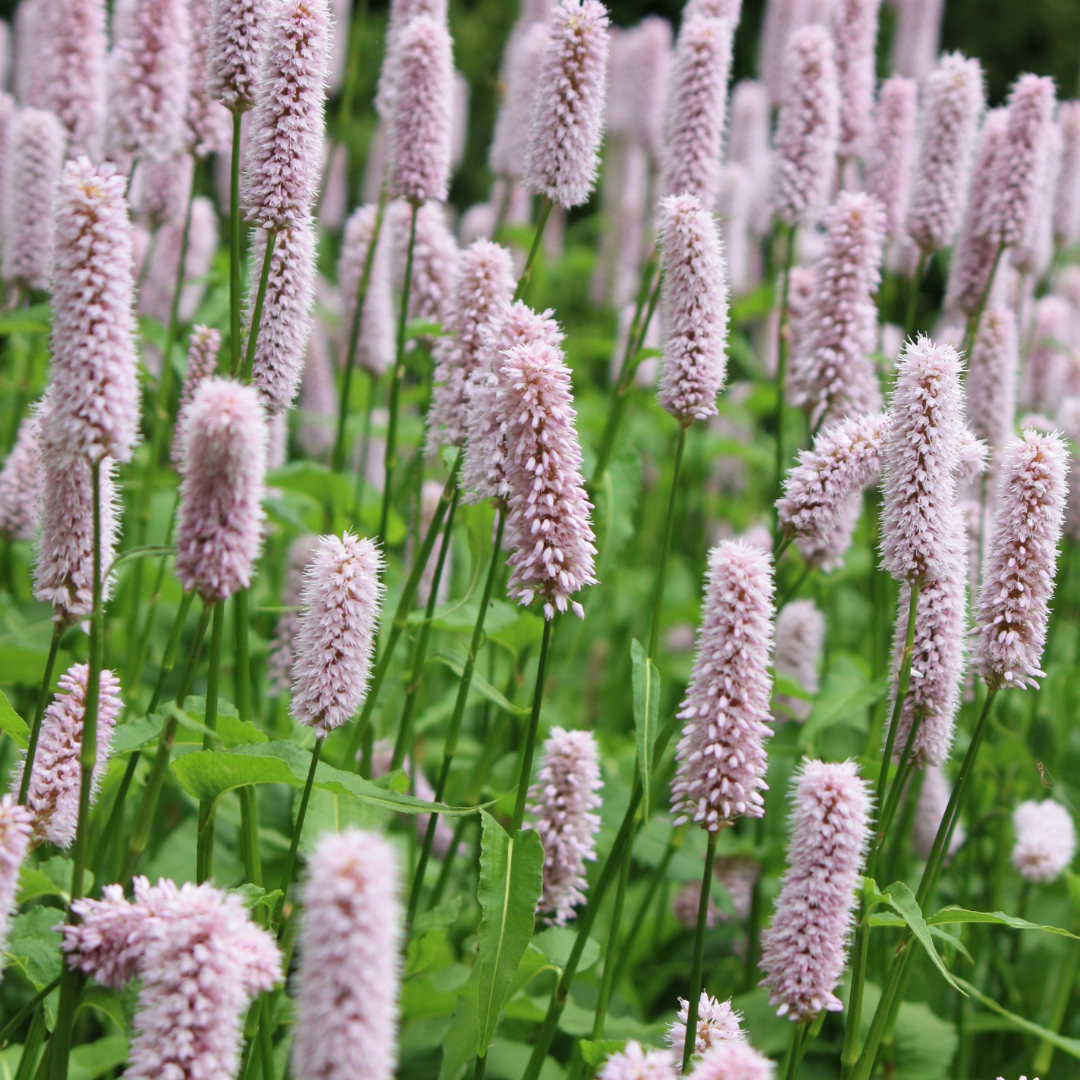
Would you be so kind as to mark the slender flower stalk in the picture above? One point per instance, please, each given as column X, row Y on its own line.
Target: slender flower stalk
column 929, row 811
column 1045, row 840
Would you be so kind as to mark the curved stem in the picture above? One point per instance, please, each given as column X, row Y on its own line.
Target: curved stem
column 699, row 952
column 607, row 981
column 529, row 749
column 260, row 299
column 546, row 206
column 39, row 710
column 298, row 829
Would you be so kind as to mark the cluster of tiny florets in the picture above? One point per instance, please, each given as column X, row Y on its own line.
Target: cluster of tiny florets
column 1045, row 840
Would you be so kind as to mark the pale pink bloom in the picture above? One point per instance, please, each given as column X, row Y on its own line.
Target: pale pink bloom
column 800, row 645
column 639, row 70
column 159, row 281
column 738, row 874
column 1018, row 582
column 334, row 200
column 685, row 908
column 733, row 1061
column 749, row 133
column 318, row 404
column 563, row 797
column 340, row 21
column 202, row 358
column 282, row 171
column 1045, row 840
column 781, row 19
column 695, row 110
column 1051, row 372
column 160, row 190
column 854, row 26
column 828, row 553
column 933, row 801
column 483, row 473
column 973, row 253
column 915, row 37
column 420, row 125
column 287, row 312
column 525, row 55
column 53, row 795
column 1069, row 421
column 347, row 1000
column 435, row 260
column 952, row 103
column 803, row 951
column 235, row 33
column 15, row 824
column 974, row 456
column 629, row 225
column 402, row 12
column 733, row 208
column 460, row 93
column 804, row 165
column 717, row 1023
column 922, row 451
column 37, row 153
column 548, row 529
column 892, row 146
column 148, row 79
column 375, row 343
column 634, row 1063
column 21, row 483
column 991, row 378
column 694, row 309
column 336, row 632
column 30, row 52
column 482, row 293
column 209, row 126
column 110, row 938
column 220, row 515
column 279, row 659
column 802, row 285
column 831, row 374
column 9, row 117
column 567, row 115
column 1067, row 198
column 721, row 753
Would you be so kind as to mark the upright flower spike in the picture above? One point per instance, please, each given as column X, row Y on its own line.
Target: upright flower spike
column 347, row 1001
column 634, row 1063
column 567, row 117
column 892, row 146
column 15, row 825
column 648, row 71
column 202, row 361
column 1018, row 582
column 510, row 140
column 286, row 316
column 781, row 18
column 148, row 79
column 37, row 154
column 952, row 102
column 53, row 795
column 749, row 137
column 279, row 660
column 695, row 110
column 922, row 453
column 915, row 38
column 1045, row 840
column 21, row 487
column 717, row 1023
column 694, row 307
column 991, row 378
column 336, row 632
column 484, row 288
column 235, row 37
column 721, row 755
column 159, row 280
column 854, row 27
column 933, row 801
column 733, row 1061
column 1051, row 372
column 402, row 12
column 282, row 177
column 807, row 129
column 548, row 529
column 375, row 343
column 803, row 952
column 318, row 404
column 564, row 796
column 1067, row 197
column 94, row 400
column 831, row 374
column 209, row 128
column 800, row 643
column 218, row 530
column 420, row 127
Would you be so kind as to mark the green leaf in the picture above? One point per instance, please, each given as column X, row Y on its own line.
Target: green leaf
column 462, row 1037
column 95, row 1059
column 479, row 684
column 596, row 1053
column 952, row 915
column 895, row 922
column 511, row 880
column 34, row 946
column 12, row 724
column 429, row 936
column 138, row 734
column 556, row 942
column 26, row 667
column 28, row 320
column 254, row 897
column 903, row 902
column 646, row 686
column 318, row 482
column 441, row 917
column 50, row 878
column 145, row 552
column 423, row 328
column 847, row 692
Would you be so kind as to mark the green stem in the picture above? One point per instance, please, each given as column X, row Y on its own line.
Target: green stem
column 249, row 836
column 396, row 379
column 546, row 206
column 1044, row 1056
column 116, row 814
column 669, row 527
column 481, row 1067
column 613, row 950
column 298, row 829
column 266, row 1044
column 365, row 443
column 260, row 300
column 234, row 247
column 168, row 658
column 243, row 661
column 204, row 859
column 782, row 337
column 12, row 1025
column 902, row 684
column 699, row 952
column 794, row 1054
column 59, row 627
column 972, row 334
column 849, row 1055
column 142, row 642
column 529, row 748
column 352, row 72
column 31, row 1046
column 913, row 295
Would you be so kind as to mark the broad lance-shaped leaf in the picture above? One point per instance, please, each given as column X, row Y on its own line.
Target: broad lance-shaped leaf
column 511, row 880
column 646, row 686
column 903, row 902
column 953, row 915
column 11, row 723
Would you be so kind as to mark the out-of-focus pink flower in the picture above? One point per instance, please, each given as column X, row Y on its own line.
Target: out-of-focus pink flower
column 202, row 361
column 800, row 644
column 209, row 127
column 21, row 486
column 15, row 823
column 506, row 157
column 1045, row 840
column 991, row 378
column 375, row 343
column 892, row 146
column 854, row 26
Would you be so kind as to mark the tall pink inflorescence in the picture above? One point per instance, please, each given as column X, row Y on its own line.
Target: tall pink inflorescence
column 336, row 632
column 892, row 147
column 347, row 1000
column 482, row 293
column 800, row 645
column 510, row 140
column 933, row 801
column 1018, row 579
column 634, row 1063
column 285, row 151
column 375, row 339
column 803, row 951
column 854, row 26
column 402, row 12
column 831, row 374
column 1045, row 840
column 53, row 795
column 564, row 797
column 148, row 80
column 37, row 154
column 435, row 260
column 717, row 1023
column 318, row 403
column 807, row 129
column 952, row 102
column 220, row 516
column 721, row 754
column 94, row 400
column 922, row 454
column 235, row 37
column 733, row 1061
column 695, row 110
column 209, row 127
column 21, row 487
column 991, row 378
column 567, row 116
column 15, row 825
column 548, row 529
column 1067, row 197
column 915, row 37
column 694, row 310
column 279, row 659
column 202, row 361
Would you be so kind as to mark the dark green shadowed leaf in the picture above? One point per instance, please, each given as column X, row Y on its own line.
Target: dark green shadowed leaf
column 646, row 686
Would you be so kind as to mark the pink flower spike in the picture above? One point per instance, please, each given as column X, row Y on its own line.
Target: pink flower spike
column 854, row 27
column 915, row 38
column 110, row 938
column 717, row 1023
column 800, row 645
column 733, row 1061
column 279, row 660
column 803, row 951
column 375, row 343
column 15, row 824
column 318, row 404
column 1067, row 198
column 510, row 140
column 435, row 260
column 991, row 378
column 888, row 161
column 21, row 487
column 634, row 1063
column 235, row 37
column 933, row 801
column 1045, row 840
column 209, row 126
column 402, row 12
column 220, row 515
column 202, row 361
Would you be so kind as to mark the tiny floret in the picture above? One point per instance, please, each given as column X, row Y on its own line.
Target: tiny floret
column 235, row 41
column 717, row 1023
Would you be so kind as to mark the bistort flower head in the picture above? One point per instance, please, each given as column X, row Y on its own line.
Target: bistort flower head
column 915, row 38
column 854, row 27
column 933, row 801
column 717, row 1023
column 991, row 378
column 510, row 140
column 209, row 127
column 220, row 515
column 21, row 486
column 892, row 146
column 694, row 309
column 803, row 951
column 235, row 35
column 548, row 528
column 15, row 826
column 279, row 659
column 375, row 340
column 1067, row 197
column 564, row 796
column 336, row 632
column 634, row 1063
column 1018, row 582
column 733, row 1061
column 402, row 12
column 567, row 116
column 1045, row 840
column 201, row 364
column 318, row 404
column 53, row 795
column 347, row 1004
column 721, row 754
column 800, row 644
